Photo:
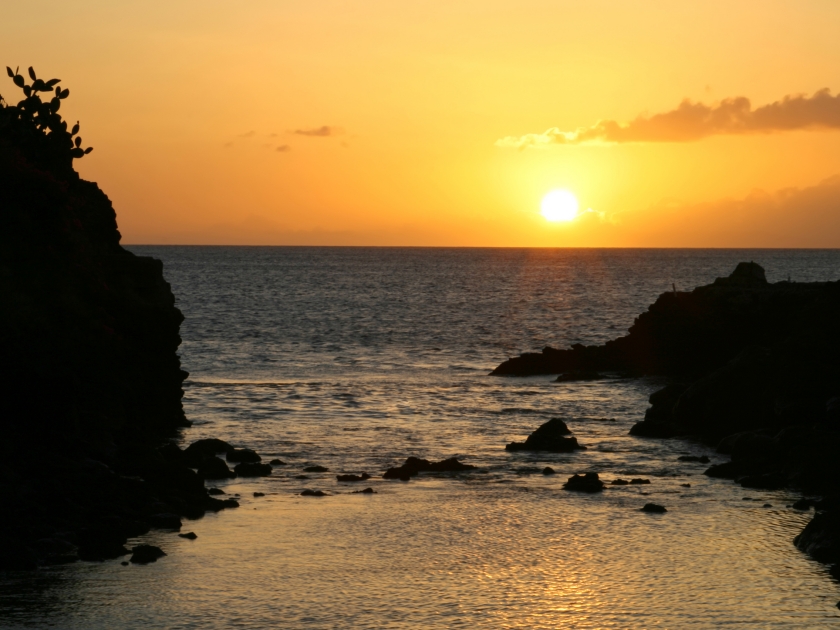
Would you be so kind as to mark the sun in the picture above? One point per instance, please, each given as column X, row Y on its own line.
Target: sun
column 559, row 205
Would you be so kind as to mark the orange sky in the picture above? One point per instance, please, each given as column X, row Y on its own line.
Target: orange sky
column 444, row 122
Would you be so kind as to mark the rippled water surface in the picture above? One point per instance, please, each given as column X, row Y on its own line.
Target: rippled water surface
column 353, row 359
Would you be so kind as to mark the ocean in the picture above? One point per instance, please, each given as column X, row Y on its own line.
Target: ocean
column 356, row 358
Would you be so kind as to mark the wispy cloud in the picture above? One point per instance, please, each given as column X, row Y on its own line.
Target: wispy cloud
column 693, row 121
column 319, row 132
column 284, row 148
column 247, row 134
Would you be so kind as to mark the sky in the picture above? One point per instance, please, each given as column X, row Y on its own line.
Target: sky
column 446, row 122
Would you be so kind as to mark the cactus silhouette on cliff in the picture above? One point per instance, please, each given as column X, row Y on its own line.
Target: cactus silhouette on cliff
column 42, row 113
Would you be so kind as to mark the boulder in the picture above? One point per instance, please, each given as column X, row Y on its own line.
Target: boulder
column 316, row 469
column 548, row 470
column 653, row 508
column 549, row 437
column 277, row 462
column 189, row 535
column 313, row 493
column 144, row 554
column 588, row 482
column 247, row 469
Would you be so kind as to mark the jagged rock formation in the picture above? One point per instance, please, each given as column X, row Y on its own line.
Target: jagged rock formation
column 692, row 333
column 90, row 382
column 755, row 371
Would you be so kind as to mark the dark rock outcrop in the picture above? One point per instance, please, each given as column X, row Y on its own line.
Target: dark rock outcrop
column 90, row 379
column 589, row 482
column 413, row 466
column 653, row 508
column 549, row 437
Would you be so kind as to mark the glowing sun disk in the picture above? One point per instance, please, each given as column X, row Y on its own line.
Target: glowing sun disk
column 559, row 205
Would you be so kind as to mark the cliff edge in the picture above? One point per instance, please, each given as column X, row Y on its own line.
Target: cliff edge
column 90, row 381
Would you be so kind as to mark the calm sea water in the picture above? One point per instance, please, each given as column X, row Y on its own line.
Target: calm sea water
column 355, row 358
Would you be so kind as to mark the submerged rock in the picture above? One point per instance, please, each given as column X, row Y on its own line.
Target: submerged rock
column 589, row 482
column 549, row 437
column 313, row 493
column 316, row 469
column 189, row 535
column 653, row 508
column 277, row 462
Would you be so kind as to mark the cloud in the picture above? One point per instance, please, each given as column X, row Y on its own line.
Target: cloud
column 247, row 134
column 284, row 148
column 319, row 132
column 693, row 121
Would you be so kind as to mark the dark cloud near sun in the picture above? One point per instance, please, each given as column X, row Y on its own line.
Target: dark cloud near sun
column 694, row 121
column 319, row 132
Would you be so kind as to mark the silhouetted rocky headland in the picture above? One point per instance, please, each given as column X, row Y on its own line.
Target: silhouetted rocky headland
column 755, row 371
column 90, row 382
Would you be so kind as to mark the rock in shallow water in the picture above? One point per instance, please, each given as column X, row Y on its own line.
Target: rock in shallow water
column 189, row 535
column 549, row 437
column 414, row 466
column 144, row 554
column 313, row 493
column 653, row 508
column 588, row 482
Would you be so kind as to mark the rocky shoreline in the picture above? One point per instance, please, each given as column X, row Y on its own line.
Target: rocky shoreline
column 754, row 372
column 90, row 379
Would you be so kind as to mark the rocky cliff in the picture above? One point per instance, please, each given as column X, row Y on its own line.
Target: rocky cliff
column 755, row 372
column 90, row 382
